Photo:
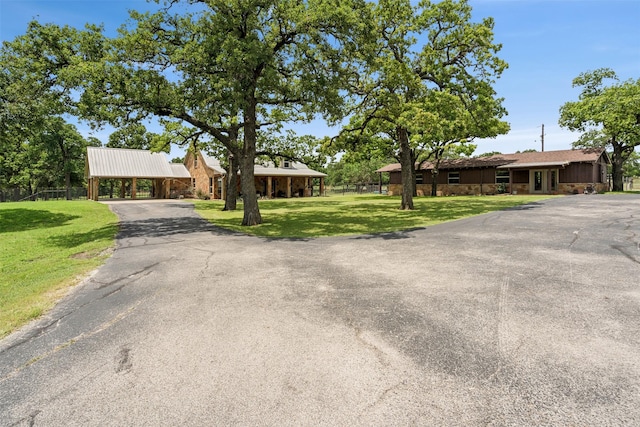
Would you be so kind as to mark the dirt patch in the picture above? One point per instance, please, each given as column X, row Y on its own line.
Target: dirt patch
column 92, row 254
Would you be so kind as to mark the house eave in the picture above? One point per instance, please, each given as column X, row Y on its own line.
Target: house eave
column 534, row 165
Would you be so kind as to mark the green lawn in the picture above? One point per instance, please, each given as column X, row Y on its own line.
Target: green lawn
column 44, row 248
column 344, row 215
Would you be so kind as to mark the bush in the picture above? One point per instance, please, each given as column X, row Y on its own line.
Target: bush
column 202, row 195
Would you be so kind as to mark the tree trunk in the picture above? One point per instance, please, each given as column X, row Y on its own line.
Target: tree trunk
column 414, row 186
column 65, row 166
column 231, row 195
column 434, row 173
column 67, row 184
column 617, row 160
column 247, row 160
column 32, row 195
column 434, row 182
column 406, row 167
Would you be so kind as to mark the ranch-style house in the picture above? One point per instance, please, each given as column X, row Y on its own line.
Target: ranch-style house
column 545, row 172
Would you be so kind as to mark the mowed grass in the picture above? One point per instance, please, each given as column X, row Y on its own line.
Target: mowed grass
column 44, row 248
column 346, row 215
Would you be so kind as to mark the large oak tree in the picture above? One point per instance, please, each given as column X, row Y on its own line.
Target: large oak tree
column 608, row 116
column 427, row 84
column 229, row 68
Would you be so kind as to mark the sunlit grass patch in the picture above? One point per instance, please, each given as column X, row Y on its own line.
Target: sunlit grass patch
column 347, row 215
column 44, row 248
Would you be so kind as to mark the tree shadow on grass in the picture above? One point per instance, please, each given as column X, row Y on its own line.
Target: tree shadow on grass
column 106, row 232
column 19, row 219
column 311, row 224
column 370, row 218
column 152, row 227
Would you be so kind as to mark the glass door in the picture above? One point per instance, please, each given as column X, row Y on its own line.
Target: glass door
column 553, row 176
column 538, row 181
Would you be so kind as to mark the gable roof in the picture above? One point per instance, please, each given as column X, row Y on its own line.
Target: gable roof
column 103, row 162
column 266, row 169
column 179, row 170
column 516, row 160
column 296, row 169
column 553, row 158
column 213, row 164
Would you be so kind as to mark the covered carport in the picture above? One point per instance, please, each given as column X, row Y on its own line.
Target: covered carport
column 134, row 165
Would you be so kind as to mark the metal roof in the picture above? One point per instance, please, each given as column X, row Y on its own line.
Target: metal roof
column 127, row 163
column 213, row 164
column 103, row 162
column 296, row 169
column 179, row 170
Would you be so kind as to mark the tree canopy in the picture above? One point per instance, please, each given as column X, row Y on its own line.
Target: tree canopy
column 39, row 148
column 230, row 69
column 426, row 85
column 353, row 168
column 608, row 116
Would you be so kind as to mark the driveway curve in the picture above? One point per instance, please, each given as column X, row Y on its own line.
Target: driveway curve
column 527, row 316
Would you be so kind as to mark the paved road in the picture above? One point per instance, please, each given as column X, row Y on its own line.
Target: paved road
column 528, row 316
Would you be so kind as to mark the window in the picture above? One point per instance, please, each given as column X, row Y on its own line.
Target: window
column 210, row 185
column 193, row 183
column 195, row 161
column 502, row 176
column 287, row 164
column 454, row 177
column 419, row 178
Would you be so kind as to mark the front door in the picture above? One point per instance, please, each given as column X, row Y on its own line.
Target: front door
column 538, row 181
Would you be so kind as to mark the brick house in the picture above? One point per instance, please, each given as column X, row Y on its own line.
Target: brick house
column 287, row 179
column 546, row 172
column 207, row 175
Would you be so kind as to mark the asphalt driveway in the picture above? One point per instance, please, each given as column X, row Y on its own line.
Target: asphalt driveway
column 528, row 316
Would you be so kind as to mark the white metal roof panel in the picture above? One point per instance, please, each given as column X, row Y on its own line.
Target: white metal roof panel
column 179, row 170
column 213, row 164
column 296, row 169
column 126, row 163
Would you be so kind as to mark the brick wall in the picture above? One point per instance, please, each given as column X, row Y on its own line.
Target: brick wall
column 201, row 173
column 448, row 189
column 474, row 189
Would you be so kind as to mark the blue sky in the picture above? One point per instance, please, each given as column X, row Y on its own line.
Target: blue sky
column 546, row 43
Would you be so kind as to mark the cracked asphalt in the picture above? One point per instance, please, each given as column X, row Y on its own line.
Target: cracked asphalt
column 527, row 316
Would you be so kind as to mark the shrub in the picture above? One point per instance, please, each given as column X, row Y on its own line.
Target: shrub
column 202, row 195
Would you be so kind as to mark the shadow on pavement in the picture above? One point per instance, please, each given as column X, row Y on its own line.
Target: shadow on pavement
column 395, row 235
column 160, row 227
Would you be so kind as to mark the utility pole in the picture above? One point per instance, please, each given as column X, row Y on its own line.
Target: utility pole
column 542, row 137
